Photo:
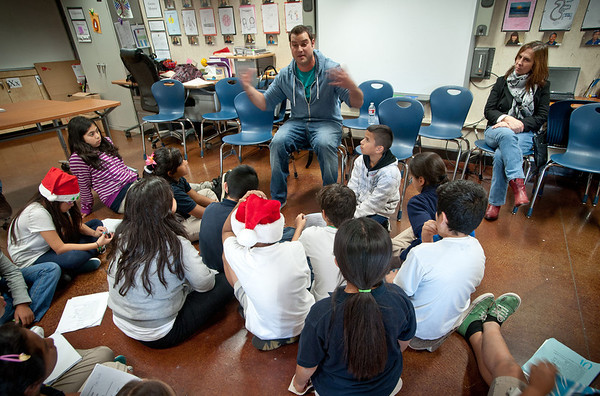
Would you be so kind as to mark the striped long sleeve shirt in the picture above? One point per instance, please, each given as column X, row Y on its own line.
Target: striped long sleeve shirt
column 107, row 181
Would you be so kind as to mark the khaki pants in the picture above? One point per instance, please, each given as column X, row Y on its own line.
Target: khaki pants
column 402, row 241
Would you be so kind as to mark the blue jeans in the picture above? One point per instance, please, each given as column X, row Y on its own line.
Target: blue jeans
column 508, row 159
column 75, row 260
column 323, row 136
column 41, row 280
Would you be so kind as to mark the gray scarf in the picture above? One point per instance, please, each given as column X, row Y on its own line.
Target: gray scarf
column 522, row 104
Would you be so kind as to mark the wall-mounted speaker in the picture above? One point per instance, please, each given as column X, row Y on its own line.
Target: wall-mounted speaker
column 485, row 9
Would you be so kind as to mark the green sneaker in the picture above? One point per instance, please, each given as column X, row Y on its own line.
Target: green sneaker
column 477, row 311
column 504, row 306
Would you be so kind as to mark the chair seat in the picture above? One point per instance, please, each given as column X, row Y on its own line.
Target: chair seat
column 583, row 163
column 483, row 146
column 440, row 132
column 220, row 116
column 164, row 117
column 247, row 138
column 358, row 123
column 402, row 151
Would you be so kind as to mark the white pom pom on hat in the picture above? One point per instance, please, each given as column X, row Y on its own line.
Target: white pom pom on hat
column 59, row 186
column 257, row 220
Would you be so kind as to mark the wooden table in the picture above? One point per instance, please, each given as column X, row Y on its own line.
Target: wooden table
column 193, row 84
column 38, row 111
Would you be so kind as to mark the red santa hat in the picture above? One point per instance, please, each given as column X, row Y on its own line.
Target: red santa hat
column 257, row 220
column 59, row 186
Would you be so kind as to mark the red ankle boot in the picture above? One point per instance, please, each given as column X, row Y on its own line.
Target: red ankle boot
column 492, row 212
column 518, row 187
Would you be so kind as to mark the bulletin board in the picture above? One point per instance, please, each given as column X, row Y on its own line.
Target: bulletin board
column 416, row 46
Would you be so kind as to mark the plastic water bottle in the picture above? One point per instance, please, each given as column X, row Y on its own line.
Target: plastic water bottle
column 372, row 117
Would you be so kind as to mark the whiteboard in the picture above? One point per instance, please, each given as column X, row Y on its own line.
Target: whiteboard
column 416, row 45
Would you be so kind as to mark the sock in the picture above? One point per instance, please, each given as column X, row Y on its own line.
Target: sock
column 491, row 318
column 474, row 327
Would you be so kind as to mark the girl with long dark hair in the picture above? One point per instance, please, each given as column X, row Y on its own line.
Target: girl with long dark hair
column 160, row 291
column 352, row 342
column 98, row 166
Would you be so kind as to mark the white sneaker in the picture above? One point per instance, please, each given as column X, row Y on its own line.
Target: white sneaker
column 37, row 330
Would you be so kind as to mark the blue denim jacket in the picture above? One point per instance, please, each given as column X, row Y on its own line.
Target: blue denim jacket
column 325, row 99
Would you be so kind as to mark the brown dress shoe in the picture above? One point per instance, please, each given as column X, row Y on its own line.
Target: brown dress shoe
column 492, row 212
column 518, row 187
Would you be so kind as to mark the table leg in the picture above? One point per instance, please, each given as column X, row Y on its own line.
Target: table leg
column 57, row 125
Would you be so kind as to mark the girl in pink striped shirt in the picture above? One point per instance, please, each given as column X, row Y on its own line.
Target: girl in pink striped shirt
column 98, row 166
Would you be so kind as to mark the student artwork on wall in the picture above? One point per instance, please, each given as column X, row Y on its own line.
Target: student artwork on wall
column 156, row 26
column 518, row 15
column 152, row 8
column 270, row 18
column 293, row 15
column 141, row 37
column 226, row 20
column 248, row 19
column 190, row 25
column 123, row 9
column 172, row 21
column 592, row 38
column 125, row 34
column 81, row 31
column 558, row 15
column 207, row 21
column 95, row 18
column 553, row 39
column 591, row 20
column 159, row 40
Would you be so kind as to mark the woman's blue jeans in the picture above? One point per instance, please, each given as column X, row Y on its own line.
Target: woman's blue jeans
column 508, row 159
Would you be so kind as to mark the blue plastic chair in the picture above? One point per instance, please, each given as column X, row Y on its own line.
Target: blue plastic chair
column 374, row 91
column 227, row 89
column 583, row 149
column 448, row 113
column 404, row 116
column 559, row 115
column 484, row 148
column 256, row 127
column 170, row 96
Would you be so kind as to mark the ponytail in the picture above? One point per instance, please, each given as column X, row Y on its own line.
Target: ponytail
column 363, row 251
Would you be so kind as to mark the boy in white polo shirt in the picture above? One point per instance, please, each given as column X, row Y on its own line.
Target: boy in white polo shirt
column 270, row 278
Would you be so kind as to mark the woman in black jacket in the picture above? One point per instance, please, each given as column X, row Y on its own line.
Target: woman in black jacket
column 516, row 108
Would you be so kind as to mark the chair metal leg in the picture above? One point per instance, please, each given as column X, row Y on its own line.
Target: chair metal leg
column 587, row 189
column 404, row 185
column 143, row 140
column 537, row 187
column 458, row 157
column 183, row 139
column 294, row 165
column 597, row 192
column 221, row 161
column 240, row 155
column 464, row 172
column 344, row 156
column 202, row 138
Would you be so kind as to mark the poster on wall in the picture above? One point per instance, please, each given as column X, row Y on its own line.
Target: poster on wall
column 125, row 34
column 248, row 19
column 226, row 20
column 293, row 15
column 591, row 20
column 156, row 26
column 270, row 18
column 558, row 14
column 172, row 23
column 152, row 8
column 123, row 9
column 82, row 32
column 141, row 37
column 518, row 15
column 207, row 21
column 76, row 14
column 190, row 26
column 159, row 40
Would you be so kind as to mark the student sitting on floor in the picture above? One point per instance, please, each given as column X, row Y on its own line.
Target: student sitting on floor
column 96, row 162
column 352, row 342
column 146, row 388
column 337, row 203
column 192, row 199
column 376, row 178
column 427, row 171
column 26, row 308
column 49, row 228
column 497, row 366
column 439, row 277
column 270, row 278
column 159, row 289
column 237, row 183
column 26, row 360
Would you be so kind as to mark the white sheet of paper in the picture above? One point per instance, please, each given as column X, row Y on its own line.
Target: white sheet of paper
column 270, row 18
column 314, row 220
column 159, row 39
column 106, row 381
column 125, row 34
column 83, row 311
column 111, row 224
column 67, row 357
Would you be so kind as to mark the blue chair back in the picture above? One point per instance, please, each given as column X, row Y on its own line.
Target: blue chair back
column 252, row 119
column 404, row 117
column 558, row 121
column 375, row 91
column 170, row 96
column 227, row 89
column 450, row 105
column 584, row 132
